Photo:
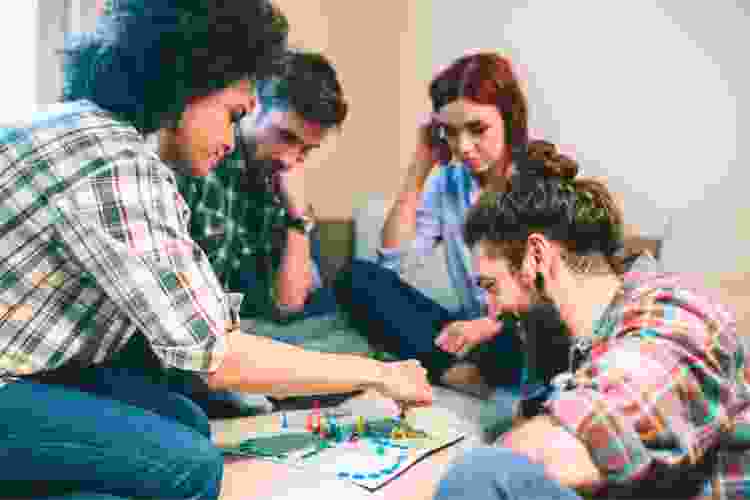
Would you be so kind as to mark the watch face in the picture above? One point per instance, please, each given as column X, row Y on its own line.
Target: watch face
column 302, row 224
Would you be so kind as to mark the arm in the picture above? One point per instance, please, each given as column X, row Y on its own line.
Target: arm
column 259, row 365
column 564, row 457
column 405, row 221
column 125, row 226
column 295, row 278
column 413, row 219
column 401, row 222
column 634, row 408
column 138, row 251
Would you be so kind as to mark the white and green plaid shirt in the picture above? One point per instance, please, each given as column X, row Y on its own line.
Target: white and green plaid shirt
column 94, row 245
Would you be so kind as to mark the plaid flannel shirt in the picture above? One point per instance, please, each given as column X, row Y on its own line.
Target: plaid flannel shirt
column 243, row 232
column 663, row 392
column 94, row 245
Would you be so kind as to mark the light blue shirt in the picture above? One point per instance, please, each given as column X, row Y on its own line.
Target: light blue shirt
column 447, row 196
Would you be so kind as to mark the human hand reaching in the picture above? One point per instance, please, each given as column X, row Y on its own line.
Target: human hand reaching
column 405, row 382
column 460, row 337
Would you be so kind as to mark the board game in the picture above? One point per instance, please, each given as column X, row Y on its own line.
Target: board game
column 368, row 452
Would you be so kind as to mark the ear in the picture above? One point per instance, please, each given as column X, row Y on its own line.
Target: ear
column 537, row 258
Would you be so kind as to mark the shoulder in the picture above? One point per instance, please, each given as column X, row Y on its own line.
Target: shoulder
column 676, row 305
column 87, row 141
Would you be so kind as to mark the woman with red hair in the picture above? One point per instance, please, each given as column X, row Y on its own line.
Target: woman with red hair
column 467, row 147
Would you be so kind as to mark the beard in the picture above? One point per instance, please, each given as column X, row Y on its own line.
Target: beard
column 547, row 340
column 260, row 174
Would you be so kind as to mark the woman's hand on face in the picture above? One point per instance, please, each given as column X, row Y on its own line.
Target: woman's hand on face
column 460, row 337
column 406, row 382
column 427, row 153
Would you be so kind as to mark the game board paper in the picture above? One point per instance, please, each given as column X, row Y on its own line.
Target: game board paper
column 371, row 460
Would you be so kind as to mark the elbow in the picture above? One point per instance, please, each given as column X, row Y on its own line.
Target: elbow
column 294, row 305
column 225, row 377
column 296, row 300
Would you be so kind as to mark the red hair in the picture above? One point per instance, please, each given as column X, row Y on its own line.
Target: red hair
column 485, row 78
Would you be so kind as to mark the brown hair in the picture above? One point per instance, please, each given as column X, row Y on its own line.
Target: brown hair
column 485, row 78
column 546, row 197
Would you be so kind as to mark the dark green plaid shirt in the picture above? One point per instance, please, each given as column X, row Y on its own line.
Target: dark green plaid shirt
column 242, row 230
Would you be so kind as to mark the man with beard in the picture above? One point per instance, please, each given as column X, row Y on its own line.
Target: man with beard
column 654, row 401
column 250, row 214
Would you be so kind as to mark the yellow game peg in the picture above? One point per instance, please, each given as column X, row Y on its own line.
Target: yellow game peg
column 323, row 426
column 360, row 425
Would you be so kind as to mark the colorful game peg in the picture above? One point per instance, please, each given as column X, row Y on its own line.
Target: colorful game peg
column 316, row 406
column 333, row 428
column 309, row 424
column 360, row 425
column 284, row 422
column 322, row 426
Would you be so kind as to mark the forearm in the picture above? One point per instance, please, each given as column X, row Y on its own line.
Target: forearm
column 256, row 364
column 294, row 278
column 400, row 224
column 565, row 458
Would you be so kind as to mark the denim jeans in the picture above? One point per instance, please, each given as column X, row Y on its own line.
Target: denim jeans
column 406, row 323
column 490, row 473
column 104, row 432
column 252, row 281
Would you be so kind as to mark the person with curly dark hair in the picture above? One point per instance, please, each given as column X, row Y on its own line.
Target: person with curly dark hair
column 654, row 401
column 95, row 255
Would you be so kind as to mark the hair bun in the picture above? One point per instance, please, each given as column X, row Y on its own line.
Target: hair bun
column 542, row 158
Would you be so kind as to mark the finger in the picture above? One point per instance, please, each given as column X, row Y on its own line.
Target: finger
column 427, row 120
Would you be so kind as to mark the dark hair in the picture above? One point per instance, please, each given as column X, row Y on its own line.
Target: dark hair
column 545, row 197
column 309, row 82
column 485, row 78
column 148, row 58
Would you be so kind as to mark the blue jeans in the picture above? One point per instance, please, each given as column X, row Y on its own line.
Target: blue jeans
column 252, row 282
column 405, row 322
column 104, row 432
column 489, row 473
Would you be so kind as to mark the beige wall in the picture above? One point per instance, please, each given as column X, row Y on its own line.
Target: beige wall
column 382, row 55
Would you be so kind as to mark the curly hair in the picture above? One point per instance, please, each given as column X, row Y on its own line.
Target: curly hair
column 309, row 84
column 148, row 58
column 545, row 197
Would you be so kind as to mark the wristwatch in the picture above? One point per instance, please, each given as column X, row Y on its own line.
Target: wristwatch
column 302, row 223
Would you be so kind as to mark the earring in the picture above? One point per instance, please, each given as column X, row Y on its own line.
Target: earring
column 539, row 282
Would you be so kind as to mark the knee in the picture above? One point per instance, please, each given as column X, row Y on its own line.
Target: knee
column 204, row 470
column 483, row 474
column 359, row 273
column 190, row 414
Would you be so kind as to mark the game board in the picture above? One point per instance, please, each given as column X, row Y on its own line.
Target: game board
column 363, row 452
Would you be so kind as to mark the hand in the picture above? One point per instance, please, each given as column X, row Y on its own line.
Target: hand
column 406, row 382
column 460, row 337
column 292, row 183
column 427, row 154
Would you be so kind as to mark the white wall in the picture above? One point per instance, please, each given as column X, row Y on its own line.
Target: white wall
column 18, row 42
column 655, row 97
column 31, row 33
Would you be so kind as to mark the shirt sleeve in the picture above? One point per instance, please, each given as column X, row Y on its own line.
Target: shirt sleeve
column 126, row 226
column 652, row 401
column 428, row 229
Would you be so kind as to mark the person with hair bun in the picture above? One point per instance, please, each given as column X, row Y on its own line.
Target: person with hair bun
column 655, row 402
